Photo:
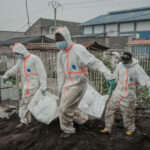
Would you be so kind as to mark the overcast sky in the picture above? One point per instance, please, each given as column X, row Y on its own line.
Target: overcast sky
column 13, row 12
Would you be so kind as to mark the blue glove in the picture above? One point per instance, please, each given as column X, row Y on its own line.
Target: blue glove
column 4, row 80
column 43, row 92
column 112, row 85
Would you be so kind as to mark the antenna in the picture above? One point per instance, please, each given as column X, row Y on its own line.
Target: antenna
column 27, row 16
column 55, row 5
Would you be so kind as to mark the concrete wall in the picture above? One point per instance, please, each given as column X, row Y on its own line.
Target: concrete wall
column 42, row 27
column 111, row 42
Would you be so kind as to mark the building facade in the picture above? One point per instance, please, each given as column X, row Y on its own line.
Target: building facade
column 45, row 27
column 134, row 22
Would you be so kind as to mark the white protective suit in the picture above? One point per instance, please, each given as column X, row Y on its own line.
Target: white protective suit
column 72, row 66
column 33, row 77
column 124, row 95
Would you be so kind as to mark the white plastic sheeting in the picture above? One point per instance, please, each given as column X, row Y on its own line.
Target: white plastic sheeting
column 93, row 103
column 45, row 108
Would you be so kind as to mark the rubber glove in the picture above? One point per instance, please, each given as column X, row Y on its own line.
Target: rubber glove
column 43, row 92
column 112, row 85
column 4, row 80
column 109, row 91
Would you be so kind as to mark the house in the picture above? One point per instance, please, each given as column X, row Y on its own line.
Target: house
column 140, row 47
column 46, row 27
column 134, row 22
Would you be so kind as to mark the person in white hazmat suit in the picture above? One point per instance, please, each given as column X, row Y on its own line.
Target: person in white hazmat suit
column 33, row 77
column 72, row 62
column 128, row 74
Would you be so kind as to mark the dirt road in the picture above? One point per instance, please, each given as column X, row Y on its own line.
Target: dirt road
column 38, row 136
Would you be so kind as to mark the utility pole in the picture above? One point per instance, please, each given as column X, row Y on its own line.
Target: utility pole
column 27, row 16
column 55, row 5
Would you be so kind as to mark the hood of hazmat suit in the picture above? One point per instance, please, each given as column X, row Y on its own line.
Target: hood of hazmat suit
column 31, row 69
column 127, row 80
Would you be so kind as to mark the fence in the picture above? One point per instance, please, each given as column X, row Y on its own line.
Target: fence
column 49, row 59
column 142, row 54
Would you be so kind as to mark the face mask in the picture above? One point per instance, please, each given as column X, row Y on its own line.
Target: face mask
column 126, row 65
column 61, row 45
column 20, row 57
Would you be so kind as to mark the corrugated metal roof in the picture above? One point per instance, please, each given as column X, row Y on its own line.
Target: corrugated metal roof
column 120, row 16
column 139, row 42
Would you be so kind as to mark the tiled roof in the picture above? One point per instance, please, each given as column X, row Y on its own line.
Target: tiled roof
column 139, row 42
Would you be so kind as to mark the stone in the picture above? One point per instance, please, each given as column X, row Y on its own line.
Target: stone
column 9, row 93
column 3, row 66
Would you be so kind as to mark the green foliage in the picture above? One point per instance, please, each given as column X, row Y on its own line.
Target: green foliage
column 13, row 80
column 142, row 94
column 106, row 62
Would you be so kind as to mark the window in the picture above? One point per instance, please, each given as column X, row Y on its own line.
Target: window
column 88, row 30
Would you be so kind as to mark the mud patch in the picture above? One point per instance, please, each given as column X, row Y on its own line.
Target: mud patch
column 38, row 136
